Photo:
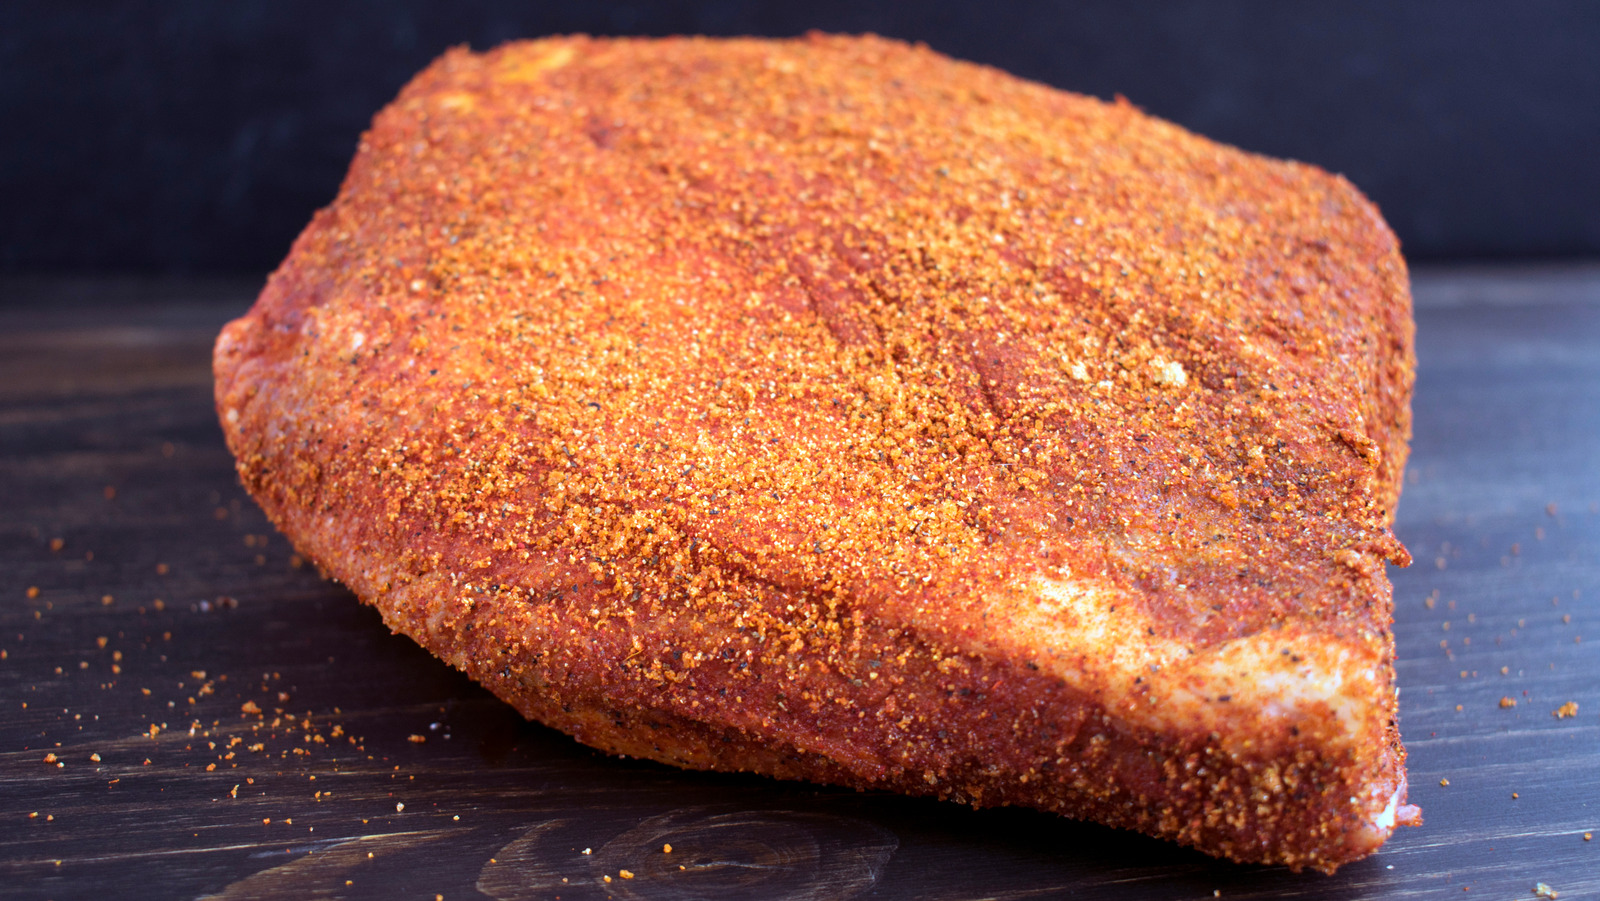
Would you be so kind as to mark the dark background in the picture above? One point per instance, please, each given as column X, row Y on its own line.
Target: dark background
column 197, row 137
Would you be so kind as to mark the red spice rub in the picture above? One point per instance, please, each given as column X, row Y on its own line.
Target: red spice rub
column 831, row 409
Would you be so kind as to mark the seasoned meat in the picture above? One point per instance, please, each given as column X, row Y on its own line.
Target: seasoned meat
column 830, row 409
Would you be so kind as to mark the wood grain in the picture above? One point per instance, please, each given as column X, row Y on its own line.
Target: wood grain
column 260, row 734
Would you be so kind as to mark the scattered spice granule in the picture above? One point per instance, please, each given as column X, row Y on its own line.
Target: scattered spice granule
column 416, row 739
column 399, row 806
column 1588, row 836
column 1545, row 891
column 625, row 874
column 33, row 592
column 666, row 849
column 1444, row 781
column 606, row 878
column 588, row 850
column 1508, row 702
column 95, row 757
column 1515, row 796
column 1565, row 710
column 246, row 707
column 57, row 544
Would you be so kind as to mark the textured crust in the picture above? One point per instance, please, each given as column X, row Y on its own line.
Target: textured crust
column 834, row 410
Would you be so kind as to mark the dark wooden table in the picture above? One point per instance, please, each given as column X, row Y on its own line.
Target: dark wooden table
column 147, row 610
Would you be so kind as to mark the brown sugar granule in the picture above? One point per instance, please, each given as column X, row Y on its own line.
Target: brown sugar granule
column 1565, row 710
column 831, row 409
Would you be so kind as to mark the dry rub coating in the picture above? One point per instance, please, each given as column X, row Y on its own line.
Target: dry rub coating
column 831, row 409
